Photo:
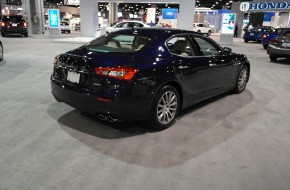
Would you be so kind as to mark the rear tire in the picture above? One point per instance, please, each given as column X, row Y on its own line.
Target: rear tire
column 265, row 46
column 164, row 109
column 26, row 34
column 1, row 52
column 273, row 58
column 3, row 34
column 198, row 31
column 209, row 33
column 246, row 41
column 242, row 79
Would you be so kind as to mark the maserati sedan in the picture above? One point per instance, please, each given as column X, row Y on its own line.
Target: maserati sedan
column 146, row 74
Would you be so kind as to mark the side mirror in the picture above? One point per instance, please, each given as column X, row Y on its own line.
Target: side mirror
column 227, row 51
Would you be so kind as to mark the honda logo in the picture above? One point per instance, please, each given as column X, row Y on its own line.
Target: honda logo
column 245, row 6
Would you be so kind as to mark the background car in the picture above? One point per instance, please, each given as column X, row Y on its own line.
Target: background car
column 269, row 35
column 126, row 24
column 64, row 26
column 279, row 47
column 202, row 28
column 15, row 24
column 74, row 21
column 146, row 74
column 1, row 52
column 256, row 33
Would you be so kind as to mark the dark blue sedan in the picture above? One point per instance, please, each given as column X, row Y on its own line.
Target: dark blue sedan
column 256, row 33
column 146, row 74
column 270, row 35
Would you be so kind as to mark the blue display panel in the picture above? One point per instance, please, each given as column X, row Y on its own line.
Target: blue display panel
column 169, row 13
column 53, row 18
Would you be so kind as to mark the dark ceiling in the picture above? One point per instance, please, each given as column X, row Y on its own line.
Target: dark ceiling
column 214, row 4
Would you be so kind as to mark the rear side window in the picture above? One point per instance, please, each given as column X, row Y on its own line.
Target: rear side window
column 180, row 45
column 119, row 43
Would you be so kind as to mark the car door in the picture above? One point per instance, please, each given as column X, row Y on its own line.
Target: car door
column 190, row 69
column 220, row 65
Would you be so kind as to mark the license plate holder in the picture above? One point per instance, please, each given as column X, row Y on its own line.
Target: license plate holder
column 73, row 77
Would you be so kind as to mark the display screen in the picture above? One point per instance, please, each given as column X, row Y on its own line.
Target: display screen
column 228, row 23
column 53, row 18
column 169, row 13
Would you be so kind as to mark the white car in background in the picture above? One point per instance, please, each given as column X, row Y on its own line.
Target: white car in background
column 73, row 22
column 65, row 27
column 202, row 28
column 126, row 24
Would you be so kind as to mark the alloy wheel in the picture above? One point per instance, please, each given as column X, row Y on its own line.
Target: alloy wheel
column 167, row 107
column 243, row 77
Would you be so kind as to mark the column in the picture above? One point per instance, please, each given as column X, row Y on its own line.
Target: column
column 186, row 14
column 34, row 15
column 89, row 18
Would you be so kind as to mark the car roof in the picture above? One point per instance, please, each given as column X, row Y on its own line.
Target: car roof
column 157, row 32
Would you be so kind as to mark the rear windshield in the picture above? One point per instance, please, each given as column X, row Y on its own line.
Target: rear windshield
column 13, row 19
column 285, row 33
column 120, row 43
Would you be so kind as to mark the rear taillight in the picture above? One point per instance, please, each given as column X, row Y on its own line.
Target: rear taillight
column 55, row 61
column 24, row 24
column 122, row 73
column 3, row 24
column 273, row 41
column 264, row 36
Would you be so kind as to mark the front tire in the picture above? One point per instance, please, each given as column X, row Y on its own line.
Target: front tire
column 273, row 58
column 242, row 80
column 1, row 52
column 164, row 109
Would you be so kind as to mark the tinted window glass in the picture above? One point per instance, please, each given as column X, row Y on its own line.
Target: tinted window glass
column 207, row 47
column 118, row 43
column 180, row 45
column 13, row 19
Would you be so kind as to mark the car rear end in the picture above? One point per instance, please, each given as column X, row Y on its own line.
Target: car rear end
column 101, row 80
column 280, row 46
column 14, row 25
column 65, row 27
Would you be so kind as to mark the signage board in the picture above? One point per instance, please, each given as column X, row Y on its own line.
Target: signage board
column 228, row 23
column 264, row 6
column 151, row 15
column 169, row 13
column 53, row 18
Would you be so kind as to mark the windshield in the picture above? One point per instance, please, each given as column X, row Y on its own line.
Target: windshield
column 120, row 43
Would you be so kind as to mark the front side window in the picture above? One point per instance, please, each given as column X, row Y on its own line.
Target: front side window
column 180, row 45
column 119, row 43
column 207, row 47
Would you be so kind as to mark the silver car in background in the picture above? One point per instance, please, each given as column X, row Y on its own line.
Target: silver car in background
column 279, row 47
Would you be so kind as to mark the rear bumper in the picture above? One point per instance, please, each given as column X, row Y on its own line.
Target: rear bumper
column 279, row 52
column 15, row 30
column 253, row 38
column 127, row 108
